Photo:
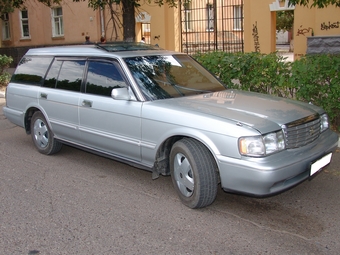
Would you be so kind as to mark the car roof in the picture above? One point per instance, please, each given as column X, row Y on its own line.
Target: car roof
column 118, row 49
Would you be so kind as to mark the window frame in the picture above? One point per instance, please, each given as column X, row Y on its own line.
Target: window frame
column 210, row 12
column 238, row 18
column 6, row 28
column 28, row 71
column 59, row 73
column 187, row 15
column 57, row 25
column 22, row 21
column 112, row 62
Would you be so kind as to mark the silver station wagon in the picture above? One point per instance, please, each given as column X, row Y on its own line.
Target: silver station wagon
column 163, row 112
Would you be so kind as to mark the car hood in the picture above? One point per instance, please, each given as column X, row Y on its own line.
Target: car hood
column 262, row 112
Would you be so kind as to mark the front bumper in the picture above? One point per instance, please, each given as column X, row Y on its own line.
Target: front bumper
column 276, row 173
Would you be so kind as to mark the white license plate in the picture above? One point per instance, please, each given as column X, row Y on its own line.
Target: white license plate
column 320, row 163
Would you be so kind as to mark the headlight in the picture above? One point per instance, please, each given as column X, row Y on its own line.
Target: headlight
column 258, row 146
column 324, row 122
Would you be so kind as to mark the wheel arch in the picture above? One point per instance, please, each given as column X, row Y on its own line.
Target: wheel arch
column 28, row 116
column 162, row 160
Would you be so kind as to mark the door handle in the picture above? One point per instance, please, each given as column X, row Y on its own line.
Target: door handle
column 87, row 103
column 43, row 95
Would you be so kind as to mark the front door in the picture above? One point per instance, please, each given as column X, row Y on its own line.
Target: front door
column 108, row 125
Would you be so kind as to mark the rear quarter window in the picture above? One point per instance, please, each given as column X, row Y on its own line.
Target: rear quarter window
column 31, row 70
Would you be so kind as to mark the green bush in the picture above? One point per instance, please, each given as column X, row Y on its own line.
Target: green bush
column 316, row 79
column 313, row 78
column 250, row 71
column 4, row 64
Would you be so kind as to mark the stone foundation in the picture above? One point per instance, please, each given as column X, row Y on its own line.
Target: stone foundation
column 323, row 45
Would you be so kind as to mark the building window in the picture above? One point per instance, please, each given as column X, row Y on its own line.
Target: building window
column 210, row 15
column 238, row 16
column 6, row 33
column 57, row 22
column 187, row 16
column 25, row 31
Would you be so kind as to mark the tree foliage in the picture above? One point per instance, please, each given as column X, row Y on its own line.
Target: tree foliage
column 284, row 20
column 316, row 3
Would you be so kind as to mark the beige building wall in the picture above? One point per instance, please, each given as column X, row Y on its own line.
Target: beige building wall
column 302, row 24
column 323, row 22
column 260, row 23
column 165, row 25
column 78, row 21
column 260, row 26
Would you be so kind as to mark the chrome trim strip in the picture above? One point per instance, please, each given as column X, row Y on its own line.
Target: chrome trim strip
column 111, row 136
column 303, row 120
column 107, row 154
column 64, row 124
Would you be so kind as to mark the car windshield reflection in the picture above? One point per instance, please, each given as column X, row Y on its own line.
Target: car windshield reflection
column 161, row 77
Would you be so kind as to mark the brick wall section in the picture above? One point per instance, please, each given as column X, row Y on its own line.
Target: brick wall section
column 323, row 45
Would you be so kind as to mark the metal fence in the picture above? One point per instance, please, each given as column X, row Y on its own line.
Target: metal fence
column 211, row 25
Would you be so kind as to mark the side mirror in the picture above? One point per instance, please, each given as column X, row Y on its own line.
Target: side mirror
column 120, row 93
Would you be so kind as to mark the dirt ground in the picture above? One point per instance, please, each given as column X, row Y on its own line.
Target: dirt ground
column 2, row 88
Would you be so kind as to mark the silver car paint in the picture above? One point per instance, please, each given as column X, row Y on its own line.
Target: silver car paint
column 134, row 130
column 61, row 107
column 275, row 173
column 111, row 125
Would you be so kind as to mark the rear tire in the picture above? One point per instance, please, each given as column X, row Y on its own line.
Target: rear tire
column 42, row 135
column 193, row 173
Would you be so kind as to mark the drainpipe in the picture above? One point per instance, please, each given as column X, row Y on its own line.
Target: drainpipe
column 102, row 26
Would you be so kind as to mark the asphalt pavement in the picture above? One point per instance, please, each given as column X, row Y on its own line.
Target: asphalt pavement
column 76, row 203
column 79, row 203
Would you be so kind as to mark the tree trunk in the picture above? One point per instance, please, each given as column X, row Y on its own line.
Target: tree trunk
column 129, row 21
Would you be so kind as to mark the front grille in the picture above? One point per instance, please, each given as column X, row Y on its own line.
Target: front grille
column 302, row 132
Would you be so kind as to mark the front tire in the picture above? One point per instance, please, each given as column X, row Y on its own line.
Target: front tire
column 194, row 173
column 42, row 135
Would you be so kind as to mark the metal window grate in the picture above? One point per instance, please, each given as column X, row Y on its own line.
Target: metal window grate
column 210, row 25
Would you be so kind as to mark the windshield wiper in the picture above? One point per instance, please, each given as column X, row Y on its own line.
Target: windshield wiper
column 191, row 89
column 179, row 87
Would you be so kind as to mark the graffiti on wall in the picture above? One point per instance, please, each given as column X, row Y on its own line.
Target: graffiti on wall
column 330, row 25
column 324, row 26
column 304, row 31
column 256, row 38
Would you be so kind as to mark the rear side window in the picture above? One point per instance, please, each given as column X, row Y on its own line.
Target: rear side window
column 65, row 74
column 31, row 70
column 102, row 77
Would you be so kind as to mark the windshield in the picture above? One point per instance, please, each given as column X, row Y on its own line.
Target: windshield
column 161, row 77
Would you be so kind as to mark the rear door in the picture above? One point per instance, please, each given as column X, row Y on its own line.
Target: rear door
column 108, row 125
column 59, row 96
column 22, row 92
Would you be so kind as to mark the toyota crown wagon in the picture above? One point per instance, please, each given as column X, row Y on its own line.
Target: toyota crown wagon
column 163, row 112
